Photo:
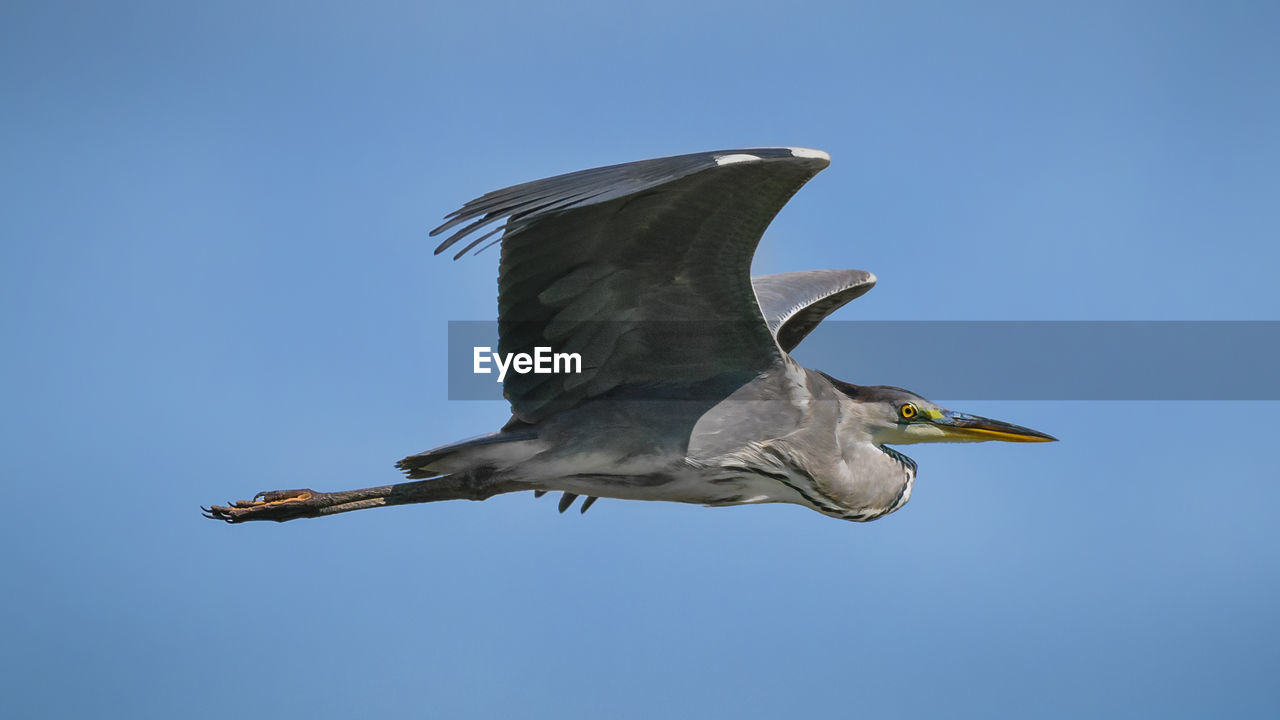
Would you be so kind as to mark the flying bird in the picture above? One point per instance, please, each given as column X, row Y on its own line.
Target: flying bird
column 686, row 389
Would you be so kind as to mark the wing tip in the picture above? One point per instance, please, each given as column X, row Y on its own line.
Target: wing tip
column 730, row 157
column 809, row 154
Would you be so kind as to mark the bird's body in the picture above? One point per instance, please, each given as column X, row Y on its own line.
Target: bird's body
column 687, row 390
column 759, row 445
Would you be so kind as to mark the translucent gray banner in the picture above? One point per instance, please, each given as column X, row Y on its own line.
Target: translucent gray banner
column 986, row 360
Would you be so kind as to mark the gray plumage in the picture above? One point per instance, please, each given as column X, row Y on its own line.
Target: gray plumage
column 794, row 303
column 687, row 392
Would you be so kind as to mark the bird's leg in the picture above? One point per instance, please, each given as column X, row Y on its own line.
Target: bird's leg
column 282, row 505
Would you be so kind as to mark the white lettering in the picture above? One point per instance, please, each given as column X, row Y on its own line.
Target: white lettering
column 502, row 366
column 572, row 363
column 542, row 362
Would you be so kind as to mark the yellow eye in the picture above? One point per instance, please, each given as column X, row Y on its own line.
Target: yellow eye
column 908, row 411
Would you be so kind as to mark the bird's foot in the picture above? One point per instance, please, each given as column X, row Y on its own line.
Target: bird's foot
column 277, row 505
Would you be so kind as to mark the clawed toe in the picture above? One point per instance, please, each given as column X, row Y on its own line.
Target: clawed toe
column 277, row 505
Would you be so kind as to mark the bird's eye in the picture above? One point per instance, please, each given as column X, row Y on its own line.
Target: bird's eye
column 908, row 411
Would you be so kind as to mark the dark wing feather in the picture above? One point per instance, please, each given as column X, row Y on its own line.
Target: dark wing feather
column 642, row 268
column 794, row 303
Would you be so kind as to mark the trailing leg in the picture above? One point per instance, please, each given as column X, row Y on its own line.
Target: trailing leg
column 282, row 505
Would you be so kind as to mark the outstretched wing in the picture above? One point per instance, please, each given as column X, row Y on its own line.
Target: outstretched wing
column 642, row 268
column 794, row 303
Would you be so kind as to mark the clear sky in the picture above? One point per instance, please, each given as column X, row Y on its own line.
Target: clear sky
column 216, row 280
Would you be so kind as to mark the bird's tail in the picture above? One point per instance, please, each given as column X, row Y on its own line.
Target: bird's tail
column 495, row 450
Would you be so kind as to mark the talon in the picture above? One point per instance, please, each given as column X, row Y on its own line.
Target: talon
column 277, row 505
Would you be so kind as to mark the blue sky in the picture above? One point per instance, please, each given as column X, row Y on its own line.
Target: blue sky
column 216, row 280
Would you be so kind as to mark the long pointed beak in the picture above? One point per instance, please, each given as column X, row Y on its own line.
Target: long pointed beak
column 959, row 426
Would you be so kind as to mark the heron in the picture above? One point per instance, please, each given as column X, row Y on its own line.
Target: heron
column 687, row 391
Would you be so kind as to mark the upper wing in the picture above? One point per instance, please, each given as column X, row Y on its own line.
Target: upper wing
column 794, row 303
column 643, row 269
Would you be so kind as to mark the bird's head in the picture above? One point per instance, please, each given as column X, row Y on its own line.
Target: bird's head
column 895, row 416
